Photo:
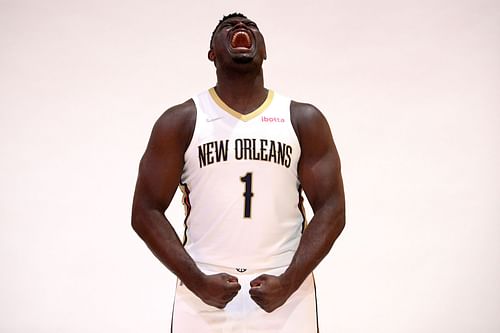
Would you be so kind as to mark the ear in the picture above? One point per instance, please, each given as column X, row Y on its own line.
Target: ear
column 211, row 55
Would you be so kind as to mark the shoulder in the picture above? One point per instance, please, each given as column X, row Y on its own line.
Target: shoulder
column 306, row 118
column 181, row 115
column 176, row 123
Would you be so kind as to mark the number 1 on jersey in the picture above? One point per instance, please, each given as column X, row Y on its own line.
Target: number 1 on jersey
column 247, row 179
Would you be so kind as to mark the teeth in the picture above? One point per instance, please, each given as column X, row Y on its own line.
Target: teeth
column 241, row 39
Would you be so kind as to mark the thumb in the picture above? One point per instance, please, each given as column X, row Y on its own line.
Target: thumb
column 232, row 279
column 257, row 281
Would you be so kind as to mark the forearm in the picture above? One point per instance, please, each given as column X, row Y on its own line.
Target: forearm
column 317, row 240
column 158, row 234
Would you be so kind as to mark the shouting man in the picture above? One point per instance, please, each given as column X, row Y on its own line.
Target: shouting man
column 242, row 154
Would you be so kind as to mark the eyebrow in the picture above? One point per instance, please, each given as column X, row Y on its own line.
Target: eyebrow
column 235, row 19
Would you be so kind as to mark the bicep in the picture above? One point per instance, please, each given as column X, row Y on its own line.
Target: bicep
column 161, row 166
column 158, row 178
column 319, row 166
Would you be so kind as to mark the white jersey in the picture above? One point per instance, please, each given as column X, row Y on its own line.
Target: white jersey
column 242, row 193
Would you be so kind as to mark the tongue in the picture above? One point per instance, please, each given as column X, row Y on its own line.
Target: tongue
column 241, row 40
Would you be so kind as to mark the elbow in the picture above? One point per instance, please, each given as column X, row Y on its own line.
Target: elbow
column 144, row 220
column 137, row 221
column 339, row 222
column 342, row 218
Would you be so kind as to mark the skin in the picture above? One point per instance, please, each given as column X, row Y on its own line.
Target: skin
column 240, row 84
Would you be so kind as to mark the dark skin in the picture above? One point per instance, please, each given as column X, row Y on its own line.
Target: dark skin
column 240, row 84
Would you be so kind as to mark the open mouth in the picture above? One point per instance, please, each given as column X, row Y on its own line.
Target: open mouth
column 241, row 40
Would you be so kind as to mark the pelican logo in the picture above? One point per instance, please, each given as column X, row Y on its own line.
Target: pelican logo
column 241, row 270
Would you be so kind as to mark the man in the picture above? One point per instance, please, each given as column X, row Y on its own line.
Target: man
column 242, row 155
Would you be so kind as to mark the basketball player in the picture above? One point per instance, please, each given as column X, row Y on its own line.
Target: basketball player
column 242, row 154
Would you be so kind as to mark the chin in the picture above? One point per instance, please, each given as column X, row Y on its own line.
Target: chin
column 243, row 59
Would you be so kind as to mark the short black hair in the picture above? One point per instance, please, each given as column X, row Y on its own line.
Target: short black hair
column 225, row 17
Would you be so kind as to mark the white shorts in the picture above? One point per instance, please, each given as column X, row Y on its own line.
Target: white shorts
column 242, row 314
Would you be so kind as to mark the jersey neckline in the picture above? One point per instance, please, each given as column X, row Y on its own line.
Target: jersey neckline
column 236, row 114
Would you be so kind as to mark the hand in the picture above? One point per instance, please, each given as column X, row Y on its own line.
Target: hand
column 218, row 289
column 269, row 291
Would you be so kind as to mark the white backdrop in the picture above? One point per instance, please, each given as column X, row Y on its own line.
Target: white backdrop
column 411, row 90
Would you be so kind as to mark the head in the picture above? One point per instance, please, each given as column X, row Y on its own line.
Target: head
column 237, row 39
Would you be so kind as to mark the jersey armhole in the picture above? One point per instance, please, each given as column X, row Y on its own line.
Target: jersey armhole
column 294, row 124
column 193, row 135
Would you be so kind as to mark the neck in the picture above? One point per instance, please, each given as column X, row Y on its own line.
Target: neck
column 243, row 92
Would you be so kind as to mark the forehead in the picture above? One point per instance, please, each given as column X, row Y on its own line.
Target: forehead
column 238, row 19
column 234, row 20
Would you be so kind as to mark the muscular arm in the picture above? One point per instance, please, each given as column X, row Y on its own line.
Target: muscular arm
column 159, row 175
column 319, row 173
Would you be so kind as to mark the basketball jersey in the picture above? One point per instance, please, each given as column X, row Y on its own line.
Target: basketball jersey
column 241, row 189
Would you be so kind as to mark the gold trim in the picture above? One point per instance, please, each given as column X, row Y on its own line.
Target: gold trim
column 236, row 114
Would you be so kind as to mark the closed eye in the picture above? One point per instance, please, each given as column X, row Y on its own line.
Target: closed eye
column 251, row 24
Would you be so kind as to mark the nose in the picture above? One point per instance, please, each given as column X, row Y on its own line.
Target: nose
column 240, row 24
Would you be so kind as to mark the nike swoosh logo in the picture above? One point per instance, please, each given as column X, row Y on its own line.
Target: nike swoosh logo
column 209, row 120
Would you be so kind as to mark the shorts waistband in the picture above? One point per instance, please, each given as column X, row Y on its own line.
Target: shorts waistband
column 237, row 270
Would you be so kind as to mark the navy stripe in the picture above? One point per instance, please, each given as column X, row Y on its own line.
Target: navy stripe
column 316, row 303
column 301, row 208
column 187, row 205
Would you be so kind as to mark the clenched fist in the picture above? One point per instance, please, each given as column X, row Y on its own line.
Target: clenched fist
column 269, row 291
column 217, row 289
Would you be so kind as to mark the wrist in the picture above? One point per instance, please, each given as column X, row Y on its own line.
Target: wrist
column 289, row 281
column 194, row 280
